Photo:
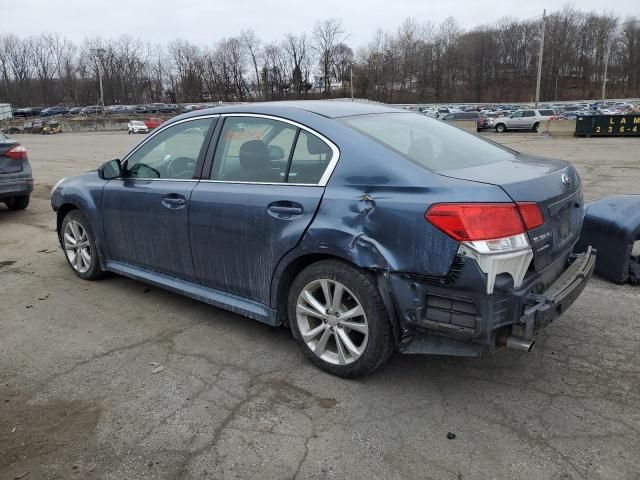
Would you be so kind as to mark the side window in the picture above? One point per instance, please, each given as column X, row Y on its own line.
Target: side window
column 172, row 153
column 529, row 113
column 253, row 149
column 310, row 159
column 517, row 115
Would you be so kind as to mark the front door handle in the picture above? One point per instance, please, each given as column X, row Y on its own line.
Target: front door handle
column 173, row 201
column 284, row 209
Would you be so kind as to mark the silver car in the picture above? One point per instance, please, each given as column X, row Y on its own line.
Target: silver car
column 523, row 120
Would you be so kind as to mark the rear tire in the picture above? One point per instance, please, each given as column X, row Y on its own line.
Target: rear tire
column 536, row 127
column 78, row 244
column 500, row 128
column 18, row 203
column 347, row 337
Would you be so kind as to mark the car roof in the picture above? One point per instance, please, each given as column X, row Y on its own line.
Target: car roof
column 326, row 108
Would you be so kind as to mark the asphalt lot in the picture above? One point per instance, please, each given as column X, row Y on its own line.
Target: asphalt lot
column 238, row 400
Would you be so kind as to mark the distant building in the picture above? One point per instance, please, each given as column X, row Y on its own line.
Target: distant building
column 5, row 111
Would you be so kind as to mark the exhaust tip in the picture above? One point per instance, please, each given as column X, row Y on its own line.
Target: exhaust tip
column 520, row 344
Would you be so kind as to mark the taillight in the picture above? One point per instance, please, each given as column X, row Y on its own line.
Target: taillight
column 531, row 214
column 467, row 222
column 494, row 234
column 16, row 153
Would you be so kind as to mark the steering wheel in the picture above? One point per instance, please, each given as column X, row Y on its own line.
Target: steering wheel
column 181, row 167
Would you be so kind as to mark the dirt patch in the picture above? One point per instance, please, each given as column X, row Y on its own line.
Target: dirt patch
column 33, row 436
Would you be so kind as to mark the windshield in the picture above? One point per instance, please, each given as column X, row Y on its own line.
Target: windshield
column 430, row 143
column 137, row 123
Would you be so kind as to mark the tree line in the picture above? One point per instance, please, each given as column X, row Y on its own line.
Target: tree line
column 416, row 62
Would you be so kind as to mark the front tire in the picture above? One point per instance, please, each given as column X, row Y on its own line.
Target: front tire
column 337, row 315
column 78, row 243
column 18, row 203
column 500, row 128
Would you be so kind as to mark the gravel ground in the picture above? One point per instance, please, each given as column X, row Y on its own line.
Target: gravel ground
column 237, row 399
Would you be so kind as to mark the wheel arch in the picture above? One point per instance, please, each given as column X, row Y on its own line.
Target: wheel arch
column 62, row 211
column 286, row 274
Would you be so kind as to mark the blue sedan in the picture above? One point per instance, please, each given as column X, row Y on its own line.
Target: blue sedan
column 365, row 229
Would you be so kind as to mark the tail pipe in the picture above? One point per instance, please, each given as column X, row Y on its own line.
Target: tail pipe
column 518, row 343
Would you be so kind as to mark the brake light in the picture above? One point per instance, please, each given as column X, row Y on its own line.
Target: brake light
column 16, row 153
column 468, row 222
column 531, row 214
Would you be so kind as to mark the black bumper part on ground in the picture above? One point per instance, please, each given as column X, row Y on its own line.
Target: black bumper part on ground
column 612, row 225
column 544, row 308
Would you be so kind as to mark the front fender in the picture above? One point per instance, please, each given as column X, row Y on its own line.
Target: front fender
column 83, row 192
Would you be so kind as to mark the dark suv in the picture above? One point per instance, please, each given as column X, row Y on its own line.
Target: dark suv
column 16, row 182
column 481, row 120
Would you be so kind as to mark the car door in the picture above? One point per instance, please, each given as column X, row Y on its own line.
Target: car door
column 515, row 120
column 265, row 185
column 528, row 119
column 145, row 213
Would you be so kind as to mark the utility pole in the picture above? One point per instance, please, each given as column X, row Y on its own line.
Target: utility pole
column 544, row 15
column 99, row 51
column 351, row 81
column 606, row 67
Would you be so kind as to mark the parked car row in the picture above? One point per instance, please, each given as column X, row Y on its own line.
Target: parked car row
column 152, row 108
column 561, row 110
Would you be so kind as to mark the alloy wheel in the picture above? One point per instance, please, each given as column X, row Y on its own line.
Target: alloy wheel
column 77, row 246
column 332, row 322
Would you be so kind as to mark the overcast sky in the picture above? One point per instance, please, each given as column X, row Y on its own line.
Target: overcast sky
column 206, row 21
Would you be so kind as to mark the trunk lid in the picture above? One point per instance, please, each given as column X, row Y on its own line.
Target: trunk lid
column 553, row 184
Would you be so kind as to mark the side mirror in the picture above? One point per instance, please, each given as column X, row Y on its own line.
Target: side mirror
column 110, row 170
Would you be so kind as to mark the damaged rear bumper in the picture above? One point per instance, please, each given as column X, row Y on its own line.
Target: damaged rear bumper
column 454, row 315
column 546, row 307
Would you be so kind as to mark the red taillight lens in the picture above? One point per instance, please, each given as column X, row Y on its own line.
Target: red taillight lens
column 16, row 153
column 531, row 214
column 476, row 221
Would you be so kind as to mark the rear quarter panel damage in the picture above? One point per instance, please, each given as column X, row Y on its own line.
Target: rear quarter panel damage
column 372, row 212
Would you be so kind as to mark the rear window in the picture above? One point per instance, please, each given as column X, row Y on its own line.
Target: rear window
column 547, row 113
column 429, row 143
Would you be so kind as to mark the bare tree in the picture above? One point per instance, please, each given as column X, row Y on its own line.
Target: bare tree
column 414, row 62
column 296, row 48
column 326, row 35
column 253, row 46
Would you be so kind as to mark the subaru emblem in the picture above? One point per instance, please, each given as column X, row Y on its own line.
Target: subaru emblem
column 566, row 180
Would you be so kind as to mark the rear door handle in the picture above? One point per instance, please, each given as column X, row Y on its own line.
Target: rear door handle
column 174, row 200
column 284, row 209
